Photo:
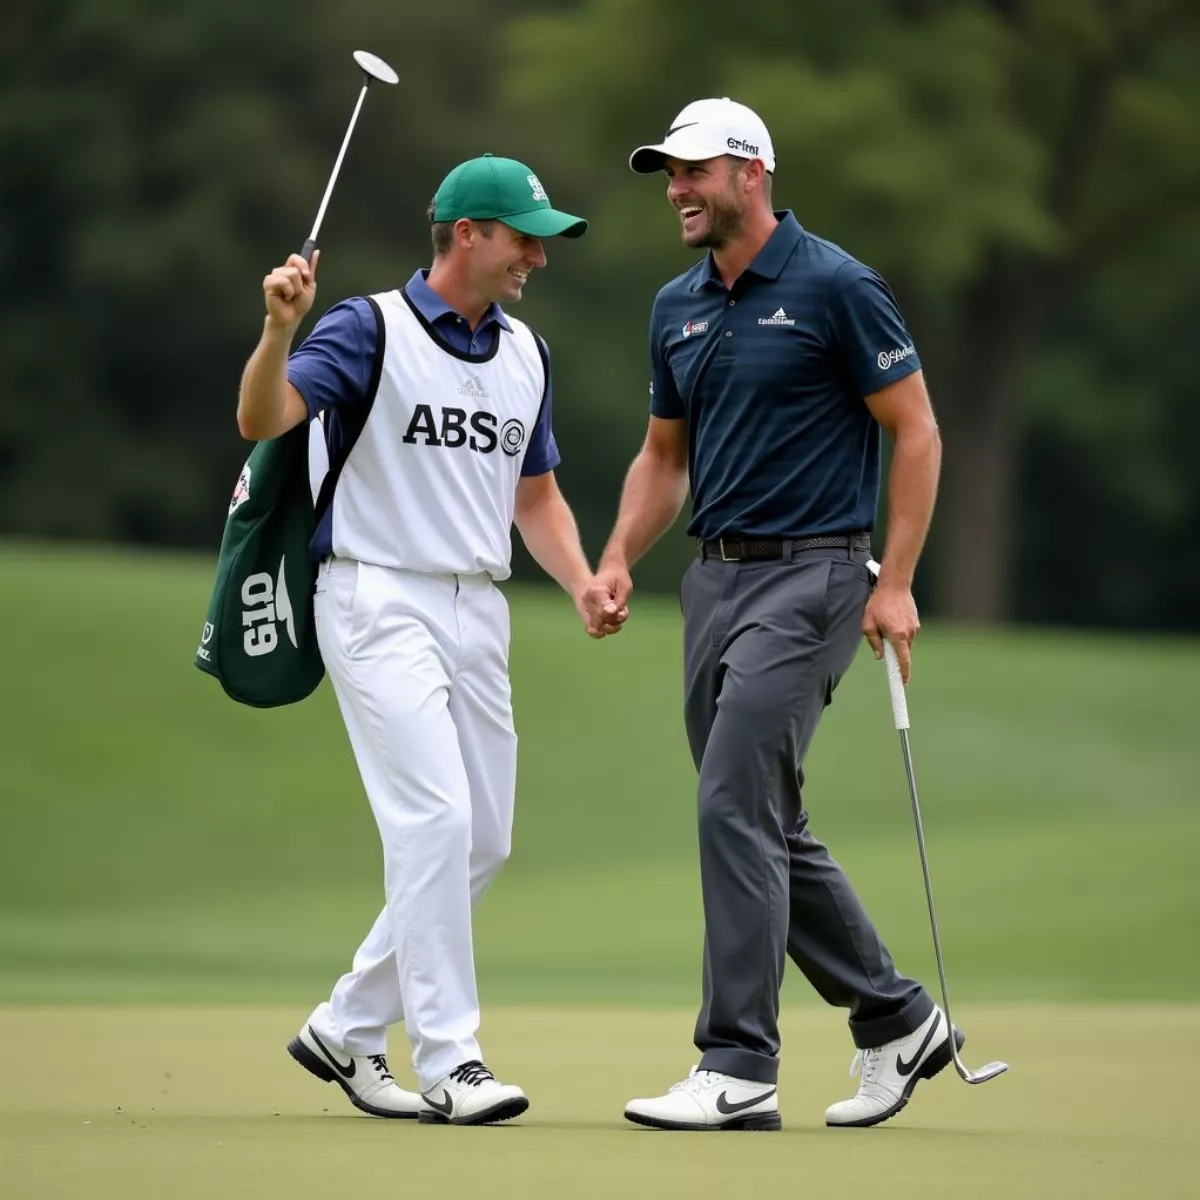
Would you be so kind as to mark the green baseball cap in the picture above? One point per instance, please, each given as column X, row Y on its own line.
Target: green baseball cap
column 502, row 189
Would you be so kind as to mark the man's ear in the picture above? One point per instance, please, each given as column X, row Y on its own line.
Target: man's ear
column 755, row 170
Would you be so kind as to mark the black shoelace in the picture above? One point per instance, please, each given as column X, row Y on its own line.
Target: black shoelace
column 379, row 1062
column 473, row 1073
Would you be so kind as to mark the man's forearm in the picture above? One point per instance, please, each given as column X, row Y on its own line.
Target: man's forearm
column 263, row 393
column 651, row 499
column 551, row 536
column 912, row 489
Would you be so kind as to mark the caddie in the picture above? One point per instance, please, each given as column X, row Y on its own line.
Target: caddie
column 448, row 401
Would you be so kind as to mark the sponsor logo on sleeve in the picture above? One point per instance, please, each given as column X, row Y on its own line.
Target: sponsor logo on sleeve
column 889, row 358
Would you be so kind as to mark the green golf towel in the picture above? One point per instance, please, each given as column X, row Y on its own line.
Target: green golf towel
column 259, row 638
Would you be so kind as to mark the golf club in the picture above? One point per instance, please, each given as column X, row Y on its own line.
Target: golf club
column 373, row 68
column 900, row 716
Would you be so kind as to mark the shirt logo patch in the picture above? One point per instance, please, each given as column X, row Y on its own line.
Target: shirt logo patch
column 694, row 327
column 539, row 192
column 779, row 317
column 474, row 388
column 889, row 358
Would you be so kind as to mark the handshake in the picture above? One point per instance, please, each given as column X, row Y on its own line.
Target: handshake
column 602, row 600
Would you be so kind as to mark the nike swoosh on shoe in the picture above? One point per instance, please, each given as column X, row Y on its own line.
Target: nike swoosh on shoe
column 726, row 1108
column 907, row 1068
column 346, row 1072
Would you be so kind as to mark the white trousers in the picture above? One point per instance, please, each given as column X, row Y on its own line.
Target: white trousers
column 419, row 664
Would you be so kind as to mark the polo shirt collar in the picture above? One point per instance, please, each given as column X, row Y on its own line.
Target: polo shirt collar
column 433, row 308
column 769, row 262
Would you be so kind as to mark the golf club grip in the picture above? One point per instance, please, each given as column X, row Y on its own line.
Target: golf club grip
column 306, row 251
column 895, row 685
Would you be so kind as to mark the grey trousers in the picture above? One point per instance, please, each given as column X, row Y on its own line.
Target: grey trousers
column 766, row 643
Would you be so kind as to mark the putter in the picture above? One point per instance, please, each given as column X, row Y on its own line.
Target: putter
column 373, row 67
column 900, row 716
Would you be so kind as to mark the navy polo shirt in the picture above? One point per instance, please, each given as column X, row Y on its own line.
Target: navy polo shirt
column 771, row 376
column 331, row 369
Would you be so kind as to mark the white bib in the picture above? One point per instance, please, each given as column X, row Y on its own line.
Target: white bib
column 432, row 480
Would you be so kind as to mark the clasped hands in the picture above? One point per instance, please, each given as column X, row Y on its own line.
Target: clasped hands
column 603, row 601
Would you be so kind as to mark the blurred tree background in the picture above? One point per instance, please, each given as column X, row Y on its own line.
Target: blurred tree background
column 1026, row 174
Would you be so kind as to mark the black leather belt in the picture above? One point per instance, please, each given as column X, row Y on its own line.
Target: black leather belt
column 743, row 549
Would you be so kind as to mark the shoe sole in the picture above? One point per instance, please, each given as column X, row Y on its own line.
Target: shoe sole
column 768, row 1122
column 504, row 1111
column 314, row 1066
column 937, row 1062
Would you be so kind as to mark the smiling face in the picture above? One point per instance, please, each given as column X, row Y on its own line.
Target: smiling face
column 710, row 198
column 500, row 261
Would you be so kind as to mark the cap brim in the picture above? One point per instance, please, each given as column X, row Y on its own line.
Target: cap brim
column 547, row 222
column 647, row 160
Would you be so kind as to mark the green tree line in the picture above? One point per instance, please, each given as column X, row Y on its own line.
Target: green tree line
column 1026, row 174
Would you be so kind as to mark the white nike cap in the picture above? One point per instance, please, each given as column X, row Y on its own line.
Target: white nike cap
column 706, row 129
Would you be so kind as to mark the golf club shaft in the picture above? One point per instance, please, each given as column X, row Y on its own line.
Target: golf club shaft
column 933, row 925
column 306, row 251
column 900, row 717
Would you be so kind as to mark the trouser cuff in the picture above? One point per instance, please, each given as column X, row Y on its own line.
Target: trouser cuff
column 875, row 1031
column 741, row 1064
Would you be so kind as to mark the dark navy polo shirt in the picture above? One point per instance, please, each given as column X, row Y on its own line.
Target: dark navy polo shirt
column 332, row 368
column 771, row 376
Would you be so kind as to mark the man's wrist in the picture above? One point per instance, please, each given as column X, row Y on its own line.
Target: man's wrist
column 614, row 558
column 893, row 577
column 277, row 332
column 576, row 584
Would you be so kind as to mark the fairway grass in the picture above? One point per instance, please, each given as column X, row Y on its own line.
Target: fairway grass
column 163, row 844
column 203, row 1103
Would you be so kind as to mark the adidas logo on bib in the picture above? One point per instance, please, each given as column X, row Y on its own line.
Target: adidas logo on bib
column 473, row 388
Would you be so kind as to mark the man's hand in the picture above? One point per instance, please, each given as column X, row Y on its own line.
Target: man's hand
column 290, row 291
column 603, row 603
column 892, row 613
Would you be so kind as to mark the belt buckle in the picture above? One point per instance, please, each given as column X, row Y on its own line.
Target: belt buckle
column 725, row 557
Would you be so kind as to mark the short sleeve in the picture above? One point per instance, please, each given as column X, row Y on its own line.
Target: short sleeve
column 665, row 400
column 542, row 454
column 333, row 365
column 868, row 331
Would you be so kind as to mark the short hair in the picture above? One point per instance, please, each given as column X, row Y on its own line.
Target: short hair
column 738, row 163
column 442, row 232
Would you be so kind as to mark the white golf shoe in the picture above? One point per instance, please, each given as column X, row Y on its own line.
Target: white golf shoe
column 364, row 1078
column 471, row 1095
column 710, row 1100
column 888, row 1073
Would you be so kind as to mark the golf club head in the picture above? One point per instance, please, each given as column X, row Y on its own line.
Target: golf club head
column 984, row 1073
column 375, row 67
